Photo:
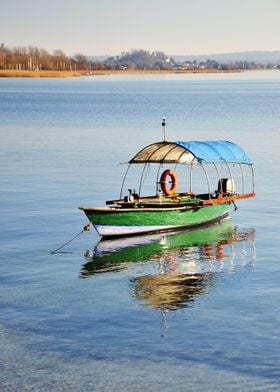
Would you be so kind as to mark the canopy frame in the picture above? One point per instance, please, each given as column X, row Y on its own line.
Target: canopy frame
column 190, row 153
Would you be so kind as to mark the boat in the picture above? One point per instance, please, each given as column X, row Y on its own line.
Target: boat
column 169, row 208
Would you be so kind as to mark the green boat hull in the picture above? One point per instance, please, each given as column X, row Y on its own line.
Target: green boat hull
column 111, row 222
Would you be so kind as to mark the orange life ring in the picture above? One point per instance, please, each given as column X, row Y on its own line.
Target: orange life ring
column 168, row 191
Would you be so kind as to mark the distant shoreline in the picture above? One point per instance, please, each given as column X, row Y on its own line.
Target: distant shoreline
column 65, row 74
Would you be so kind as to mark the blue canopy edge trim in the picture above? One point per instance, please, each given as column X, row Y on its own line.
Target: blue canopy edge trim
column 216, row 151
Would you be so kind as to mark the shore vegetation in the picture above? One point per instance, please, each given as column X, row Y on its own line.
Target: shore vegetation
column 30, row 61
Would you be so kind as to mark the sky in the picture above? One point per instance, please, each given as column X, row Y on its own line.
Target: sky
column 110, row 27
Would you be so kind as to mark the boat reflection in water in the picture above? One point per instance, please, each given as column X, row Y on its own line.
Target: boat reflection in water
column 179, row 266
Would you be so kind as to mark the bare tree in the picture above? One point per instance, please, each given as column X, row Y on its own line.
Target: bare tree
column 81, row 61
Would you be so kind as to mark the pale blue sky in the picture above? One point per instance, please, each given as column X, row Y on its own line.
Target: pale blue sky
column 98, row 27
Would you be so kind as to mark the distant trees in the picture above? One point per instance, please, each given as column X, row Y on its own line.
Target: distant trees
column 58, row 61
column 33, row 58
column 81, row 61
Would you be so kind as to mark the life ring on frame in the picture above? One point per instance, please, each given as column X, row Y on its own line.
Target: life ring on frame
column 168, row 191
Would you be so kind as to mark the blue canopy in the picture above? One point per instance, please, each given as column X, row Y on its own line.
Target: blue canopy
column 188, row 152
column 216, row 151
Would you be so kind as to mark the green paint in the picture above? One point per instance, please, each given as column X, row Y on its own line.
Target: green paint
column 157, row 216
column 154, row 248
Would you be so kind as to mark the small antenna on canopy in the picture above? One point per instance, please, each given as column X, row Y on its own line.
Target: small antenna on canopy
column 164, row 128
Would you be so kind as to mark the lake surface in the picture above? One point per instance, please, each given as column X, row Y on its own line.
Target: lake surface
column 192, row 311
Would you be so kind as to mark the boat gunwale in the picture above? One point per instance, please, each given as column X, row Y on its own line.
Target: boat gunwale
column 140, row 208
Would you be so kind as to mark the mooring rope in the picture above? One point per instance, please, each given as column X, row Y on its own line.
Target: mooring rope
column 86, row 228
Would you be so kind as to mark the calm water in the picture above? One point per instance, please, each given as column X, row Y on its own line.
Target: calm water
column 183, row 312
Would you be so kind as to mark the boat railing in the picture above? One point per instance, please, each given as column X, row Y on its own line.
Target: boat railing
column 183, row 198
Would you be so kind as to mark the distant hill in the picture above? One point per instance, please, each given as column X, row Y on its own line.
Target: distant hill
column 140, row 59
column 259, row 57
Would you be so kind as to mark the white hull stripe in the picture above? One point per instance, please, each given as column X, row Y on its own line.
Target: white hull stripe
column 108, row 230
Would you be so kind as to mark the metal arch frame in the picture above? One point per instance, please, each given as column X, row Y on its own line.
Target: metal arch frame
column 191, row 169
column 141, row 178
column 243, row 179
column 218, row 172
column 124, row 178
column 157, row 181
column 206, row 175
column 230, row 173
column 191, row 165
column 207, row 178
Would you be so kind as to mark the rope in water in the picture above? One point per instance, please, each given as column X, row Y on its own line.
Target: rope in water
column 86, row 228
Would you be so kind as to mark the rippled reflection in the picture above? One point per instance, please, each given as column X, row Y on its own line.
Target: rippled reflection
column 186, row 262
column 170, row 291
